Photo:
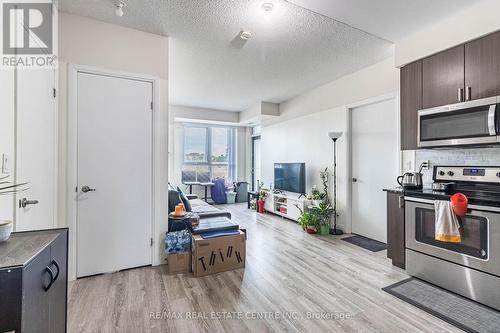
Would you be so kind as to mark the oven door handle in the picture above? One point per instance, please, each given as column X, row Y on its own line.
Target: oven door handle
column 491, row 120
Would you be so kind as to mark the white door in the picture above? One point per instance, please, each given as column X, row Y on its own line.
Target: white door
column 36, row 147
column 114, row 159
column 374, row 166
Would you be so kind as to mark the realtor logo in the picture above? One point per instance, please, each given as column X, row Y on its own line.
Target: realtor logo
column 27, row 28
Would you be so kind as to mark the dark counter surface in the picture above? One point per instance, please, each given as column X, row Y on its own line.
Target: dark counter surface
column 397, row 190
column 21, row 247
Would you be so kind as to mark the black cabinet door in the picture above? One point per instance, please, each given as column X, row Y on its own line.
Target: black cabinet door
column 10, row 299
column 58, row 291
column 395, row 229
column 411, row 102
column 443, row 78
column 35, row 313
column 482, row 67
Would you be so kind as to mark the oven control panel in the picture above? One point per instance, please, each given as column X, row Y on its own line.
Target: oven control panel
column 467, row 174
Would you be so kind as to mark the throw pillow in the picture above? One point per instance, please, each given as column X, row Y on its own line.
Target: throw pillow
column 184, row 199
column 173, row 200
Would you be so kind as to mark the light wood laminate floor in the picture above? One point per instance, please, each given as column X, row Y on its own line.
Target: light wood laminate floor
column 289, row 274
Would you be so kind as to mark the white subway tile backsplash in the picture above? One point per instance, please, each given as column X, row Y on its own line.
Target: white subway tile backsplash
column 471, row 156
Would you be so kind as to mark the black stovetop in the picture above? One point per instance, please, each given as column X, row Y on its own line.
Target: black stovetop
column 483, row 196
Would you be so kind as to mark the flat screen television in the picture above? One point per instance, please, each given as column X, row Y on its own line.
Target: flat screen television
column 290, row 177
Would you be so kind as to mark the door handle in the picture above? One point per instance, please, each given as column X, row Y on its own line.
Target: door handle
column 86, row 189
column 51, row 274
column 54, row 262
column 354, row 180
column 25, row 202
column 460, row 94
column 468, row 93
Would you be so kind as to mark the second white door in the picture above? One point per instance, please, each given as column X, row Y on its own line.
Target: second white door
column 114, row 192
column 374, row 166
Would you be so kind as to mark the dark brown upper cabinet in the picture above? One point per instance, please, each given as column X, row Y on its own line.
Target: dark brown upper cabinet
column 482, row 67
column 411, row 102
column 443, row 78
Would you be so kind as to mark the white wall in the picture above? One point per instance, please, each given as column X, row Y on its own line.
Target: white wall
column 371, row 81
column 7, row 140
column 473, row 22
column 176, row 141
column 89, row 42
column 299, row 134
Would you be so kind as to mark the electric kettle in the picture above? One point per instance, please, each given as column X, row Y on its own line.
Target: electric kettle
column 410, row 180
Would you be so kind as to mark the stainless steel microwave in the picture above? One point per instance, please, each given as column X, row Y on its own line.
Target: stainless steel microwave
column 468, row 123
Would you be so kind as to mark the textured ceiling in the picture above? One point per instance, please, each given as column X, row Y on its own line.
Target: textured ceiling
column 388, row 19
column 291, row 51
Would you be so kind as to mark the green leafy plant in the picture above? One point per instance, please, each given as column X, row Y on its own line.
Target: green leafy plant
column 317, row 195
column 324, row 179
column 323, row 213
column 308, row 220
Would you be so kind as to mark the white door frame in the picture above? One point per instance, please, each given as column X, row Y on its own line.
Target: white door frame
column 348, row 109
column 72, row 177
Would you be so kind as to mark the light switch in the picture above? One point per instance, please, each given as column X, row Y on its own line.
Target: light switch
column 6, row 164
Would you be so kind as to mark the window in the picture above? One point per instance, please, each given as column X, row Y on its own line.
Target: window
column 210, row 150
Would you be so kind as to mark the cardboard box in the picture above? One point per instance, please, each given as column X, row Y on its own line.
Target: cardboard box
column 179, row 262
column 219, row 254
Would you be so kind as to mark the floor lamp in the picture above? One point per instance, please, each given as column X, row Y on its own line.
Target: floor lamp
column 334, row 136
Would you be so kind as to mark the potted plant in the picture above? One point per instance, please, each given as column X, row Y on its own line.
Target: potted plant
column 307, row 220
column 261, row 198
column 323, row 213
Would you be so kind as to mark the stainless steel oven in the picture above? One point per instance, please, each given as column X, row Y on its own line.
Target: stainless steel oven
column 470, row 268
column 468, row 123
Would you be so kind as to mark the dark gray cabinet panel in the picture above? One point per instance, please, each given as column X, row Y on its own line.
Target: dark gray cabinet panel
column 35, row 299
column 396, row 229
column 482, row 67
column 411, row 102
column 58, row 251
column 443, row 78
column 33, row 282
column 10, row 299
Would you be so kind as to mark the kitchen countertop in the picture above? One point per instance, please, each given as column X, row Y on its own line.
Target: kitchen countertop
column 21, row 247
column 397, row 190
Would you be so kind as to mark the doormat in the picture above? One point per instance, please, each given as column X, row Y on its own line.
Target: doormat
column 454, row 309
column 366, row 243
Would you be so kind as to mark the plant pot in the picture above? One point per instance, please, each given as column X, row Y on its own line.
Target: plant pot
column 260, row 206
column 311, row 231
column 324, row 229
column 5, row 230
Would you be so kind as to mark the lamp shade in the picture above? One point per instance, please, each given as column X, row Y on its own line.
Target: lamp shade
column 334, row 135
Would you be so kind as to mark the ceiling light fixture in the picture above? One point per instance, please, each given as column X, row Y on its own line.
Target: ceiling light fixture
column 245, row 34
column 267, row 7
column 119, row 5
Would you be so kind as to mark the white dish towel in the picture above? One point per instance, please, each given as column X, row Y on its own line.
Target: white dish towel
column 446, row 224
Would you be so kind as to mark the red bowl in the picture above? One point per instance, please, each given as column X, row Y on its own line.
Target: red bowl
column 459, row 204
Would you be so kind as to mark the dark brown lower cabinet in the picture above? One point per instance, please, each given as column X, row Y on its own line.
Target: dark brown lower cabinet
column 396, row 229
column 33, row 282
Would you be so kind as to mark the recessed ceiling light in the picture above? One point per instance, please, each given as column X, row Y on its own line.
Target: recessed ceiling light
column 244, row 34
column 119, row 5
column 267, row 7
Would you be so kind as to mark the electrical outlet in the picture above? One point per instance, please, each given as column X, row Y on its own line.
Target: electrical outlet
column 6, row 164
column 425, row 165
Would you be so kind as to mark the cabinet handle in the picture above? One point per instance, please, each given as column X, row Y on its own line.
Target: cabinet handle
column 54, row 262
column 460, row 94
column 468, row 94
column 48, row 270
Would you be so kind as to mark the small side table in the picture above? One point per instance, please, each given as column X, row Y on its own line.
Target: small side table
column 252, row 194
